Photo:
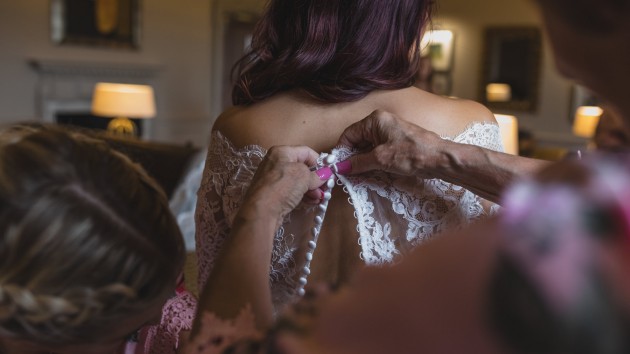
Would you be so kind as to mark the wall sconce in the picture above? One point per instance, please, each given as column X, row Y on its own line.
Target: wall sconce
column 508, row 126
column 123, row 101
column 497, row 92
column 586, row 120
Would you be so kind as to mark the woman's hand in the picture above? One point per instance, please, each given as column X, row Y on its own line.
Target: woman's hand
column 400, row 147
column 240, row 275
column 397, row 146
column 282, row 180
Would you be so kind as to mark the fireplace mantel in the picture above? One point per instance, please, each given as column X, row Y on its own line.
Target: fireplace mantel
column 122, row 71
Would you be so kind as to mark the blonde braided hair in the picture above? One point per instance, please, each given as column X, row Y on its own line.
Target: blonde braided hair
column 87, row 238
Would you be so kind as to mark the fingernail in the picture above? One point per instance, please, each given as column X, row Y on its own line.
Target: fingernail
column 344, row 167
column 324, row 173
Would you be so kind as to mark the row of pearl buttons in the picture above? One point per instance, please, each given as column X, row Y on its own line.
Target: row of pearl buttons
column 319, row 220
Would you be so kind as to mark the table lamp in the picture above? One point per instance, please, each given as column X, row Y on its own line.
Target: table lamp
column 586, row 120
column 498, row 92
column 123, row 101
column 508, row 127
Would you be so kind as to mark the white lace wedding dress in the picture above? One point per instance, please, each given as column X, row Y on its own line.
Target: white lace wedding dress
column 392, row 213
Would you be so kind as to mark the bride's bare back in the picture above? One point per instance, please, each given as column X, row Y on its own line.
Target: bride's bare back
column 292, row 119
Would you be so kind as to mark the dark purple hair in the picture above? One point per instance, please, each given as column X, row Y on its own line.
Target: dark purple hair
column 333, row 50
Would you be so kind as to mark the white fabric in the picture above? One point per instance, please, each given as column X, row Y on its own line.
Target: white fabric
column 184, row 199
column 393, row 213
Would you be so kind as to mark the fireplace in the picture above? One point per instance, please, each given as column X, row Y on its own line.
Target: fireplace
column 88, row 120
column 64, row 90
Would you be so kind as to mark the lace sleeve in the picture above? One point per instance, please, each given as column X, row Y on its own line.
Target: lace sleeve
column 240, row 335
column 226, row 177
column 485, row 135
column 211, row 227
column 216, row 335
column 176, row 321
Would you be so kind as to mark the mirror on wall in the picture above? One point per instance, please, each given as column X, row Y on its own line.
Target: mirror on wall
column 510, row 68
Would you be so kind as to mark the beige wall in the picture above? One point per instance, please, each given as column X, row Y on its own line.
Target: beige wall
column 184, row 39
column 221, row 11
column 467, row 20
column 175, row 37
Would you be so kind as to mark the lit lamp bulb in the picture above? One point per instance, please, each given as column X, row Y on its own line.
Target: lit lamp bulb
column 497, row 92
column 122, row 101
column 508, row 126
column 586, row 120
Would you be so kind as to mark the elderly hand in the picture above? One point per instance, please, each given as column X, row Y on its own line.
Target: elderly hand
column 282, row 180
column 398, row 146
column 241, row 268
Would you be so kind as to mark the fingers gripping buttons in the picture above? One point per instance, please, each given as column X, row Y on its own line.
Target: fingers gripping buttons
column 329, row 160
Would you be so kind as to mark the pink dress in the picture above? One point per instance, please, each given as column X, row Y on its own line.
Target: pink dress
column 177, row 318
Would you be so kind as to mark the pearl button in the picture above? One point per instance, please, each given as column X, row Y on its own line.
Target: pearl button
column 329, row 160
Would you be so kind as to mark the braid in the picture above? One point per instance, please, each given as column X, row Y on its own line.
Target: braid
column 86, row 238
column 47, row 317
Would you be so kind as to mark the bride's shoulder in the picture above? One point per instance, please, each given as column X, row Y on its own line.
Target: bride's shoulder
column 445, row 115
column 226, row 120
column 263, row 124
column 454, row 106
column 470, row 110
column 234, row 125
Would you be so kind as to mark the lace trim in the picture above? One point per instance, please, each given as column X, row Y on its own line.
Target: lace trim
column 177, row 315
column 227, row 176
column 429, row 206
column 425, row 207
column 215, row 335
column 483, row 134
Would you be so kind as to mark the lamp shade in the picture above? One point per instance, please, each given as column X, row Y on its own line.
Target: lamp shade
column 586, row 120
column 123, row 100
column 508, row 126
column 497, row 92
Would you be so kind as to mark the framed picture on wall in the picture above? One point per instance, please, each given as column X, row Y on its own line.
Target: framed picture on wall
column 102, row 23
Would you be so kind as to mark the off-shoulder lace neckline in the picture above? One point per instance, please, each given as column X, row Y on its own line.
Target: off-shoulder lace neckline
column 469, row 127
